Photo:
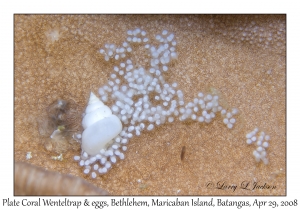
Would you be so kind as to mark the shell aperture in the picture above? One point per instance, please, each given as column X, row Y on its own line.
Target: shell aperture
column 100, row 126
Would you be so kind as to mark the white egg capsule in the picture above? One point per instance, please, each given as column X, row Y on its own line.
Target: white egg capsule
column 100, row 126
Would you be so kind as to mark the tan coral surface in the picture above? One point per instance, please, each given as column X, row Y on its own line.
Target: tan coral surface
column 242, row 57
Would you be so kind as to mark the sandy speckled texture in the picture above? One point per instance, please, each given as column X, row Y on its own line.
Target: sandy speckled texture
column 241, row 57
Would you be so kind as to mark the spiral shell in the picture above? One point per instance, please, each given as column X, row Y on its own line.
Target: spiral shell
column 100, row 126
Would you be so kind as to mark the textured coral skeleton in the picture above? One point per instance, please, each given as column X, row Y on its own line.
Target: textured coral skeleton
column 224, row 57
column 32, row 180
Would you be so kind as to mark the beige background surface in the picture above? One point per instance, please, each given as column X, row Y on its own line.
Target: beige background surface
column 242, row 57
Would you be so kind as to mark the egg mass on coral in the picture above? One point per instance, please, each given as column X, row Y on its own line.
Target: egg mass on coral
column 104, row 137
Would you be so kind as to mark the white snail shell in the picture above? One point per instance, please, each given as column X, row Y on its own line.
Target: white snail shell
column 100, row 126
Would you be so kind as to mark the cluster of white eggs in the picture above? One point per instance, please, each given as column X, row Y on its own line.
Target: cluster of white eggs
column 141, row 99
column 111, row 51
column 262, row 143
column 229, row 119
